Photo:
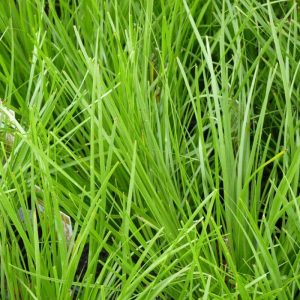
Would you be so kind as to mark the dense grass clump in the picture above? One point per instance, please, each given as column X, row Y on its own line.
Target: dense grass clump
column 168, row 131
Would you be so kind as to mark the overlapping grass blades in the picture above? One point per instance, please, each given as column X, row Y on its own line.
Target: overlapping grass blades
column 169, row 132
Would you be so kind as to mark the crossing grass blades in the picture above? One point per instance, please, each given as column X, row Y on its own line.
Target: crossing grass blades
column 166, row 132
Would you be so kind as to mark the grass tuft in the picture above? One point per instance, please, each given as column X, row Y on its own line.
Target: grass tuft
column 168, row 131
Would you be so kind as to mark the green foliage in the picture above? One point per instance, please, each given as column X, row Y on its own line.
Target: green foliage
column 168, row 131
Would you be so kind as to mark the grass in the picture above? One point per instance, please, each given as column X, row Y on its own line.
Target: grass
column 168, row 131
